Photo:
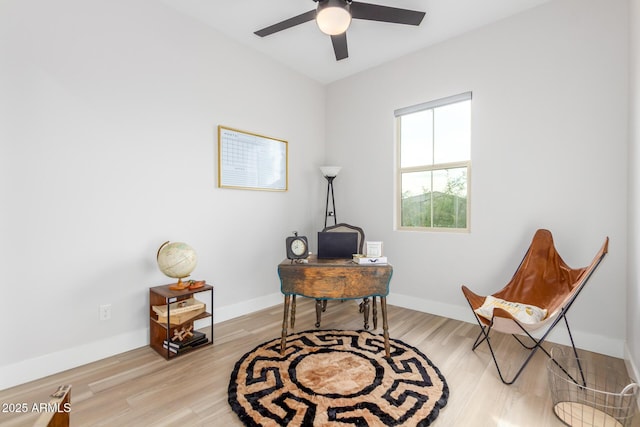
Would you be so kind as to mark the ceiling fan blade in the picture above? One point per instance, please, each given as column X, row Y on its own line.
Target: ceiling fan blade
column 374, row 12
column 340, row 46
column 287, row 23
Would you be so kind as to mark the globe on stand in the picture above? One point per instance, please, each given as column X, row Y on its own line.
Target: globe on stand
column 177, row 260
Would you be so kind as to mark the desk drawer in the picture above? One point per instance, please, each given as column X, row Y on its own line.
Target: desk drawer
column 335, row 282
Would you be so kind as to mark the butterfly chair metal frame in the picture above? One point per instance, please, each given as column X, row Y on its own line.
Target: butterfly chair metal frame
column 503, row 321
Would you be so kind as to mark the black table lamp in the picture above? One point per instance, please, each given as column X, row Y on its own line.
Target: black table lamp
column 330, row 172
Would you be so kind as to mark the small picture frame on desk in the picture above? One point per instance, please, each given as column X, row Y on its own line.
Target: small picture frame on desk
column 374, row 249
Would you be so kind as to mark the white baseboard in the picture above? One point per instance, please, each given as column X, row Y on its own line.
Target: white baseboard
column 432, row 307
column 52, row 363
column 632, row 369
column 245, row 307
column 584, row 340
column 48, row 364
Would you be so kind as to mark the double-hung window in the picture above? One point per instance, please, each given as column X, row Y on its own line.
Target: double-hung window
column 433, row 164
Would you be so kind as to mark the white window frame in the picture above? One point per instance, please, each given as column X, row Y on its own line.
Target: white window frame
column 466, row 96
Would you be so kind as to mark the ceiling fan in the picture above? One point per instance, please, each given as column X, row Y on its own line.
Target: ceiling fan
column 334, row 17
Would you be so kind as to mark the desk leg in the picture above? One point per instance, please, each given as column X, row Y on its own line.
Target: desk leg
column 293, row 312
column 375, row 313
column 365, row 309
column 385, row 326
column 283, row 343
column 319, row 310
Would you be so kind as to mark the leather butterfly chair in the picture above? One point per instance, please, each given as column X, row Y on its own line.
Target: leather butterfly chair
column 542, row 280
column 321, row 305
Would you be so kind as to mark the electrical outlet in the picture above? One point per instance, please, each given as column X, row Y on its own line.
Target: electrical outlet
column 105, row 312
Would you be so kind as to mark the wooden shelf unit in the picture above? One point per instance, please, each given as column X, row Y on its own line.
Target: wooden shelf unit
column 159, row 331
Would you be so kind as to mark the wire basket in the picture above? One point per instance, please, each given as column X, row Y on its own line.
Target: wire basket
column 585, row 395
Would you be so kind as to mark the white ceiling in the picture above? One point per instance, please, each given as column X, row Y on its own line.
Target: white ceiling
column 307, row 50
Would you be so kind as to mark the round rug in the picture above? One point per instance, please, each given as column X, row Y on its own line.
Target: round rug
column 336, row 377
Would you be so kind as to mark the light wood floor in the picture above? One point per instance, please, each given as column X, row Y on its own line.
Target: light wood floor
column 140, row 388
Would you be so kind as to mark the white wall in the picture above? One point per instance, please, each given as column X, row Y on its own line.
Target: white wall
column 108, row 117
column 633, row 296
column 549, row 147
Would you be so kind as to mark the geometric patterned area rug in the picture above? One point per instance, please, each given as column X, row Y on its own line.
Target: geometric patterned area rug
column 332, row 377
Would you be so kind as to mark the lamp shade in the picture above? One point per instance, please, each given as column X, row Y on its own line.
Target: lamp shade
column 330, row 171
column 333, row 16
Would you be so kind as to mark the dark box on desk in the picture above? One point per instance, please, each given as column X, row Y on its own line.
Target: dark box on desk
column 337, row 244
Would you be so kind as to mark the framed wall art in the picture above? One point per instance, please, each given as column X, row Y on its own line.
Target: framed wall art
column 252, row 162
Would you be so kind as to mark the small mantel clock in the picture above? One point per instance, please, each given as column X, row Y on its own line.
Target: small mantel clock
column 297, row 246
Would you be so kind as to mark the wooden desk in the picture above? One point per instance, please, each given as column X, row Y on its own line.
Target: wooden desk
column 333, row 279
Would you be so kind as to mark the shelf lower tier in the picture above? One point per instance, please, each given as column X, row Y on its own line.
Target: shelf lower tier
column 159, row 347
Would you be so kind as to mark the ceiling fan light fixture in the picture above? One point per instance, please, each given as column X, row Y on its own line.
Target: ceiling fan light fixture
column 333, row 16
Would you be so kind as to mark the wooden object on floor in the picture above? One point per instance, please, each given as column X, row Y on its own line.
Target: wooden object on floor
column 324, row 279
column 57, row 411
column 163, row 328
